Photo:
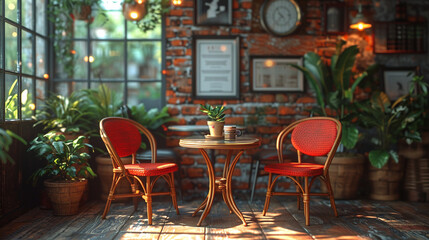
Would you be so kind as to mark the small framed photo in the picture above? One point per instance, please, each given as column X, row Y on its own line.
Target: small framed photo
column 335, row 18
column 216, row 67
column 397, row 81
column 213, row 12
column 275, row 74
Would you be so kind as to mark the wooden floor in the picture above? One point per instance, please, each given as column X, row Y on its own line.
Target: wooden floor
column 358, row 219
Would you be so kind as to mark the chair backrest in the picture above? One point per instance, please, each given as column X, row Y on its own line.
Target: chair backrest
column 123, row 137
column 315, row 136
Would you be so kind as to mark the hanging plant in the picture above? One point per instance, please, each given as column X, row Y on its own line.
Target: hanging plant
column 146, row 14
column 62, row 13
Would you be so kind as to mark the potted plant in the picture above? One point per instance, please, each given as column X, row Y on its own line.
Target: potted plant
column 65, row 170
column 392, row 123
column 216, row 120
column 66, row 115
column 146, row 14
column 334, row 87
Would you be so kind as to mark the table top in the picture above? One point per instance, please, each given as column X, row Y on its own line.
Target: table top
column 207, row 143
column 194, row 128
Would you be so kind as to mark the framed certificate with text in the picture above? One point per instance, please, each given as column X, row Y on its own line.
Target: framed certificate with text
column 216, row 67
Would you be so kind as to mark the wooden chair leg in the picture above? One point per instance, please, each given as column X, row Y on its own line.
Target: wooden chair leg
column 331, row 195
column 268, row 196
column 110, row 196
column 298, row 197
column 306, row 200
column 149, row 200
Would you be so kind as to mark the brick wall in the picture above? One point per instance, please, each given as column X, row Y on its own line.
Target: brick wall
column 263, row 114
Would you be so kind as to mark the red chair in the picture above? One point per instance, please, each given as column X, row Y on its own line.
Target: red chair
column 316, row 136
column 123, row 138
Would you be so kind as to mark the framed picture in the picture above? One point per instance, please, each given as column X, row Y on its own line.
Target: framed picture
column 216, row 67
column 213, row 12
column 275, row 74
column 335, row 16
column 397, row 81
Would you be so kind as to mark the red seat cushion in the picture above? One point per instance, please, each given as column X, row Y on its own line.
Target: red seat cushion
column 151, row 169
column 295, row 169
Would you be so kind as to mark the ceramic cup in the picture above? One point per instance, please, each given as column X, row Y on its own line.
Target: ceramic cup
column 231, row 132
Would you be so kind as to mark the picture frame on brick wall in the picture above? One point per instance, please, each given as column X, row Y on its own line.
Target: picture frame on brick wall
column 275, row 74
column 397, row 81
column 213, row 12
column 215, row 61
column 335, row 18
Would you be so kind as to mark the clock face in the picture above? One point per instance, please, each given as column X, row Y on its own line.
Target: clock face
column 280, row 17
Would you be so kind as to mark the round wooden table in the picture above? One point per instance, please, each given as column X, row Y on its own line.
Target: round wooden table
column 223, row 183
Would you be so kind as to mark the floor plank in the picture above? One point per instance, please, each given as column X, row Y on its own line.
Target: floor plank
column 358, row 219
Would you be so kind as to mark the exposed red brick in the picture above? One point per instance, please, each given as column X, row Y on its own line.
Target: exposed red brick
column 286, row 110
column 176, row 12
column 306, row 100
column 195, row 172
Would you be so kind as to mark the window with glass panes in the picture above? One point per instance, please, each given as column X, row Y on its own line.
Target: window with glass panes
column 23, row 57
column 115, row 52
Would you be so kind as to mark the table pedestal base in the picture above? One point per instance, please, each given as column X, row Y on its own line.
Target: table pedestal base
column 222, row 183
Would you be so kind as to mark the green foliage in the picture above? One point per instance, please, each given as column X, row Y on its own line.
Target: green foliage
column 155, row 10
column 60, row 13
column 152, row 119
column 102, row 102
column 64, row 159
column 11, row 103
column 6, row 139
column 65, row 114
column 214, row 113
column 334, row 87
column 392, row 122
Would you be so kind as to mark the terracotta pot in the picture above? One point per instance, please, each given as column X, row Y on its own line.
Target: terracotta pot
column 216, row 128
column 385, row 182
column 134, row 11
column 83, row 13
column 345, row 173
column 105, row 175
column 65, row 196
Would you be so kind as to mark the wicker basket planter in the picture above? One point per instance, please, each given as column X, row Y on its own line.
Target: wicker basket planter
column 65, row 196
column 385, row 182
column 345, row 174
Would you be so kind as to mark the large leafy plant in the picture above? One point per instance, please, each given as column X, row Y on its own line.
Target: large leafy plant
column 334, row 87
column 65, row 114
column 64, row 159
column 152, row 119
column 216, row 113
column 102, row 102
column 392, row 122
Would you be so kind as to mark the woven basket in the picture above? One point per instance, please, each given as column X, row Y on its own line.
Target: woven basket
column 65, row 196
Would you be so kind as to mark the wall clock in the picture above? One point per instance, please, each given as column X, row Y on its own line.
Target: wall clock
column 280, row 17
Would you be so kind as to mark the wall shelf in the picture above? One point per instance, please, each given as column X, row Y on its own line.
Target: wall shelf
column 400, row 37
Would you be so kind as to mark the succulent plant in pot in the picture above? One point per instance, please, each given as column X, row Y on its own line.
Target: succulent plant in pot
column 216, row 116
column 65, row 170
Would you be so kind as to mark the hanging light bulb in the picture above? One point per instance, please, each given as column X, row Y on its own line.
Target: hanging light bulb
column 177, row 2
column 359, row 22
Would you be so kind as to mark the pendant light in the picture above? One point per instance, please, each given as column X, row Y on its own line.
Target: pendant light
column 359, row 22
